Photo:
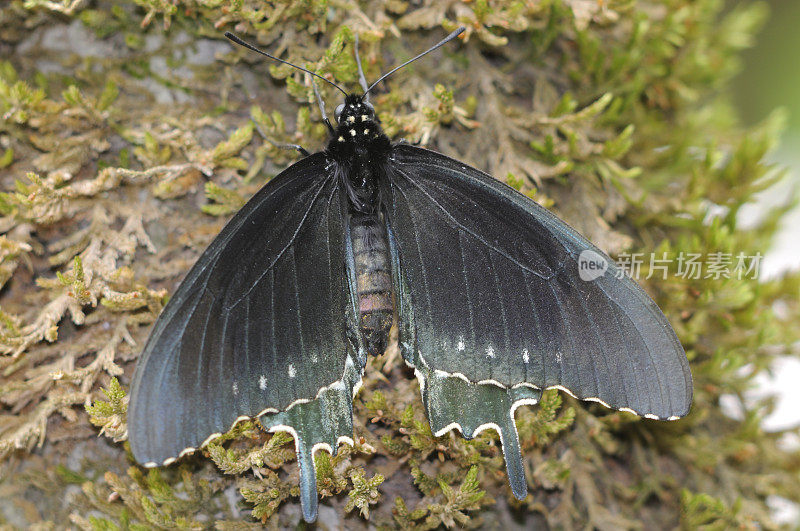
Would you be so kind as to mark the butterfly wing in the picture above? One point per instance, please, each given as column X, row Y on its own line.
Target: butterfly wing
column 489, row 294
column 257, row 328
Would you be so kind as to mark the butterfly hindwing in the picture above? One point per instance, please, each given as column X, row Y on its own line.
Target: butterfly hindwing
column 489, row 291
column 259, row 325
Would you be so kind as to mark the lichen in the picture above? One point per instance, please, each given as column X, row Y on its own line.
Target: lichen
column 131, row 130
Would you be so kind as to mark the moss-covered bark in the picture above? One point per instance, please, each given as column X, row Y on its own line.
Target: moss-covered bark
column 131, row 130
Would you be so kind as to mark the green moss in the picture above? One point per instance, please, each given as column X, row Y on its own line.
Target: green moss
column 612, row 113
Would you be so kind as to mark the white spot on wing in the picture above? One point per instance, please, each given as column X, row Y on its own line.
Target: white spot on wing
column 262, row 382
column 525, row 356
column 292, row 371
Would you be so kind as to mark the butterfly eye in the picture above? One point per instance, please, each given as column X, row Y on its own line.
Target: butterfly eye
column 337, row 113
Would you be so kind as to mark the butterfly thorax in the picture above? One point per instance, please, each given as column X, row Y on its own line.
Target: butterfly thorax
column 360, row 149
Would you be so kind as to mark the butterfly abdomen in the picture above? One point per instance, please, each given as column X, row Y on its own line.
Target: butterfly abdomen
column 373, row 281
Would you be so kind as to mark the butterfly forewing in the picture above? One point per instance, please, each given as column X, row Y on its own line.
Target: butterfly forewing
column 490, row 280
column 258, row 324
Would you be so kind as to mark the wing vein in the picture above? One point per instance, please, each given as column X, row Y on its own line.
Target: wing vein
column 455, row 222
column 288, row 244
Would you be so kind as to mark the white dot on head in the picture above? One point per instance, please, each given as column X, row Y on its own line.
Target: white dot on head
column 262, row 382
column 366, row 131
column 292, row 371
column 341, row 139
column 351, row 119
column 352, row 132
column 525, row 356
column 364, row 117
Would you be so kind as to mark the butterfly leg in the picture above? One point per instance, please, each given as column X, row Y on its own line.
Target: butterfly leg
column 303, row 151
column 319, row 423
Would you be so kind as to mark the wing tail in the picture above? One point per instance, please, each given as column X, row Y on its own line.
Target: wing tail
column 321, row 423
column 453, row 402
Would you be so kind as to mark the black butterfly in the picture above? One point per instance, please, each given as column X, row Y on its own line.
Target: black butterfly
column 277, row 317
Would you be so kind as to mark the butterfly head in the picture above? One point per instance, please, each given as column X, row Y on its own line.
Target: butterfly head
column 354, row 111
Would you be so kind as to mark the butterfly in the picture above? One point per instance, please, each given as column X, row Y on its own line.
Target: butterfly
column 277, row 318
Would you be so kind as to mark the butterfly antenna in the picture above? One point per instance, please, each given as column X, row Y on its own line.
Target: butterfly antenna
column 361, row 78
column 240, row 42
column 444, row 41
column 321, row 104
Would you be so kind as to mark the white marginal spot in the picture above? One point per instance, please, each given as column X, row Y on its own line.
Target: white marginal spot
column 169, row 461
column 523, row 402
column 525, row 356
column 627, row 410
column 673, row 417
column 451, row 426
column 460, row 345
column 599, row 401
column 210, row 438
column 490, row 352
column 341, row 439
column 262, row 382
column 186, row 451
column 562, row 388
column 357, row 387
column 492, row 382
column 292, row 371
column 650, row 416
